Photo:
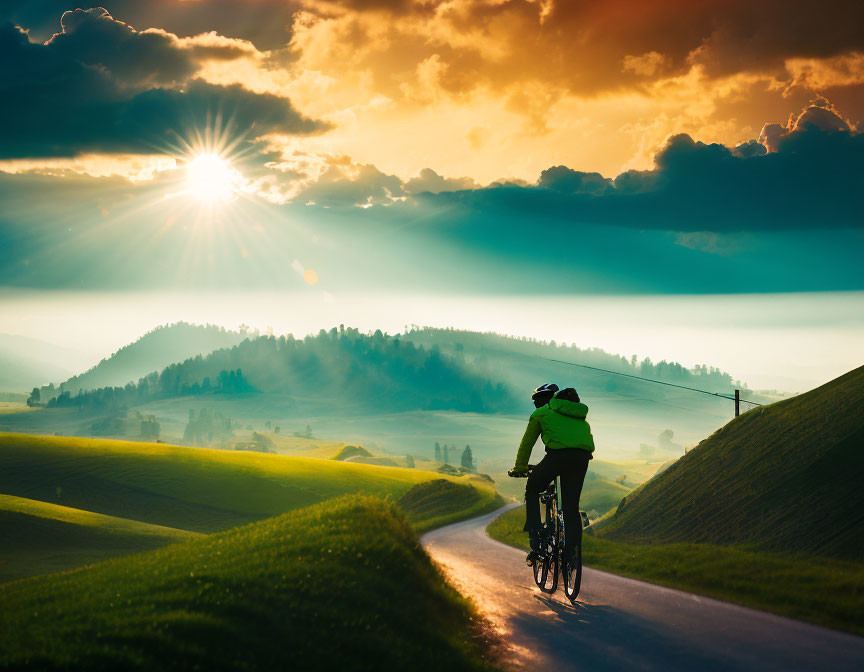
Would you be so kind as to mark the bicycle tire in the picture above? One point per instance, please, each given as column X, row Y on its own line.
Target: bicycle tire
column 541, row 570
column 572, row 574
column 552, row 549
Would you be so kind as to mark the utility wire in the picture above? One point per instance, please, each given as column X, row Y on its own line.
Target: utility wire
column 647, row 380
column 663, row 403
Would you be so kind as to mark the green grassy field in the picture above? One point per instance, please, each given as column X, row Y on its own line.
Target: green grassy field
column 194, row 489
column 42, row 538
column 333, row 586
column 820, row 590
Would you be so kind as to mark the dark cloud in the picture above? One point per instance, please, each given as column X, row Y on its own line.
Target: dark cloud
column 760, row 36
column 94, row 38
column 807, row 175
column 265, row 23
column 100, row 86
column 567, row 181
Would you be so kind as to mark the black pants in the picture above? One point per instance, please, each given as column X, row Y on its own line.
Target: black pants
column 570, row 464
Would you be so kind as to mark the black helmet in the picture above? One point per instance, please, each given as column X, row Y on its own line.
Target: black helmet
column 545, row 391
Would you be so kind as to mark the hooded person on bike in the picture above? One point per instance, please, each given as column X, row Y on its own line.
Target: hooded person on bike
column 560, row 421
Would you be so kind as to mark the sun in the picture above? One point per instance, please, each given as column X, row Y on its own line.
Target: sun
column 211, row 179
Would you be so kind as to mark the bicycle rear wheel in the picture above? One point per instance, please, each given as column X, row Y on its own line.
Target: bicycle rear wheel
column 572, row 574
column 551, row 550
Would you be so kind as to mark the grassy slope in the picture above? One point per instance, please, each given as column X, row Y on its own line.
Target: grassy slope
column 333, row 586
column 785, row 477
column 42, row 538
column 300, row 447
column 347, row 452
column 824, row 591
column 440, row 502
column 189, row 488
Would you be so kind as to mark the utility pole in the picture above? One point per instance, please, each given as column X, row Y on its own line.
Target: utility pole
column 737, row 402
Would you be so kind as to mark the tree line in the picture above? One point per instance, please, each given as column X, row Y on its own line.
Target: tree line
column 340, row 366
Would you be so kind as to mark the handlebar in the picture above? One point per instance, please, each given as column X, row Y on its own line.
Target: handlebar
column 523, row 474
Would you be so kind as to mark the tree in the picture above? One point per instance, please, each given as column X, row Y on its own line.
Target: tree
column 35, row 396
column 445, row 454
column 468, row 459
column 409, row 461
column 438, row 452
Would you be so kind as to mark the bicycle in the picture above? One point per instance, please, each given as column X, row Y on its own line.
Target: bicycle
column 549, row 561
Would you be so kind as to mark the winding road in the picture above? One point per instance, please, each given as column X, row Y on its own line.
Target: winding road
column 622, row 624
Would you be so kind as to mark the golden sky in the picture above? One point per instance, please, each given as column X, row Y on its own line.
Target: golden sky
column 475, row 89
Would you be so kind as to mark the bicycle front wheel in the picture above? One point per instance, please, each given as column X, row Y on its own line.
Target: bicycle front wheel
column 551, row 551
column 541, row 571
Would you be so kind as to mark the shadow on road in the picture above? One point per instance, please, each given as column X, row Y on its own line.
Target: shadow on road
column 599, row 637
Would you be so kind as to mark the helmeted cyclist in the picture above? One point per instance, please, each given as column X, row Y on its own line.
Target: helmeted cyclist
column 560, row 421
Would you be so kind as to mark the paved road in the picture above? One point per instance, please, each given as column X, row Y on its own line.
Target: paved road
column 622, row 624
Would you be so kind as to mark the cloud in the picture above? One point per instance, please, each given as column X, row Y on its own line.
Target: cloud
column 265, row 23
column 806, row 175
column 101, row 86
column 567, row 181
column 348, row 184
column 94, row 38
column 579, row 47
column 427, row 180
column 817, row 117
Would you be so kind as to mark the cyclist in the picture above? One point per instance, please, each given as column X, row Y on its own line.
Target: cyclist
column 560, row 421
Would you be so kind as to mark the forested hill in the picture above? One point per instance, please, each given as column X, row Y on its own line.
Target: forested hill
column 156, row 349
column 340, row 371
column 523, row 363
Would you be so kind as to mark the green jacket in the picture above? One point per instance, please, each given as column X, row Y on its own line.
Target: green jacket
column 562, row 424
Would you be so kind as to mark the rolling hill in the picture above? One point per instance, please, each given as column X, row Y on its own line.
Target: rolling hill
column 196, row 489
column 42, row 538
column 152, row 352
column 70, row 501
column 332, row 586
column 785, row 477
